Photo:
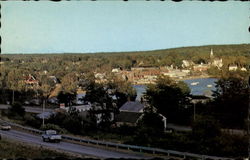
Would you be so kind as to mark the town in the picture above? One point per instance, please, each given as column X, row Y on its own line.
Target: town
column 101, row 102
column 124, row 80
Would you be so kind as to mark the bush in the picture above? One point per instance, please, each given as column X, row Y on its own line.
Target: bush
column 54, row 127
column 16, row 110
column 126, row 130
column 32, row 121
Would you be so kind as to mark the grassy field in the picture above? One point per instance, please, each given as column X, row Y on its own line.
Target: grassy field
column 12, row 150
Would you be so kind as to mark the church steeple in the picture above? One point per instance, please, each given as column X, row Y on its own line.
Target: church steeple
column 211, row 53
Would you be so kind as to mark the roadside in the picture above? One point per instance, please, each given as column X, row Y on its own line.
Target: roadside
column 176, row 127
column 13, row 149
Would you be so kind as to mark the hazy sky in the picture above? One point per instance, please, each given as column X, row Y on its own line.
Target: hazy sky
column 99, row 26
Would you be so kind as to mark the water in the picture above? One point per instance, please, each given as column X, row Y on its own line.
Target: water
column 140, row 90
column 200, row 89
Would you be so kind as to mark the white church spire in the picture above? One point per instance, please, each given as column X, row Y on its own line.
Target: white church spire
column 211, row 53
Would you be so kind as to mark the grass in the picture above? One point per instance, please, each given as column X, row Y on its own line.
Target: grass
column 12, row 150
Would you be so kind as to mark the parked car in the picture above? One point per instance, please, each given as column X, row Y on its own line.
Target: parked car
column 5, row 126
column 51, row 136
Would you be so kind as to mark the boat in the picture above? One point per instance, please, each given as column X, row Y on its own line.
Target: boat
column 209, row 85
column 194, row 83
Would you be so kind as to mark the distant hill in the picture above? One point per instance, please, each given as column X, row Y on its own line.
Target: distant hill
column 232, row 49
column 231, row 54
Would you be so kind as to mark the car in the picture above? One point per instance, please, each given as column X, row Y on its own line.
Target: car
column 51, row 136
column 5, row 126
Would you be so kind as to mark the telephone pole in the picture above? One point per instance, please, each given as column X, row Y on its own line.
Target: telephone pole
column 248, row 119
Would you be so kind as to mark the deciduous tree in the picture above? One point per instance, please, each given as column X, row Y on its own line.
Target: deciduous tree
column 170, row 98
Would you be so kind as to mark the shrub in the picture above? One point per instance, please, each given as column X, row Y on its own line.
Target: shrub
column 32, row 121
column 16, row 110
column 54, row 127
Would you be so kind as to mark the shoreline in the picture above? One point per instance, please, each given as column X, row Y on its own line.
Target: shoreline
column 181, row 79
column 195, row 77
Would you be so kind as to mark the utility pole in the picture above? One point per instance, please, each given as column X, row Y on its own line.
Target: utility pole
column 43, row 111
column 248, row 119
column 194, row 111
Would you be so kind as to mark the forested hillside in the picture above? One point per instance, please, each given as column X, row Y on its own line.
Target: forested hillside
column 60, row 64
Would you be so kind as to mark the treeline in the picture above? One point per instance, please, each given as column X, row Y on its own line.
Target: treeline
column 59, row 64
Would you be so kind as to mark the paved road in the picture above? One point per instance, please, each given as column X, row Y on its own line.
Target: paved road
column 30, row 109
column 69, row 147
column 176, row 127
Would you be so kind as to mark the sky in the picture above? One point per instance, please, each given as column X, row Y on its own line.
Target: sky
column 116, row 26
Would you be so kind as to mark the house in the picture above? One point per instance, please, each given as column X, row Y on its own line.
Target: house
column 243, row 69
column 199, row 99
column 217, row 62
column 201, row 67
column 130, row 113
column 186, row 63
column 80, row 98
column 116, row 70
column 83, row 111
column 31, row 81
column 232, row 67
column 54, row 79
column 176, row 73
column 53, row 100
column 127, row 118
column 100, row 77
column 81, row 108
column 132, row 106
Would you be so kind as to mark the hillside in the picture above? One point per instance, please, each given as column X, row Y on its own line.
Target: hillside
column 67, row 62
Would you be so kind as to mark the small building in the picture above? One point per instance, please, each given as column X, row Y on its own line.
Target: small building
column 217, row 62
column 132, row 106
column 201, row 67
column 116, row 70
column 186, row 63
column 232, row 67
column 200, row 99
column 54, row 79
column 243, row 69
column 31, row 81
column 130, row 113
column 81, row 108
column 100, row 77
column 127, row 118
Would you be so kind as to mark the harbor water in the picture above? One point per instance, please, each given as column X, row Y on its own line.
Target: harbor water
column 200, row 86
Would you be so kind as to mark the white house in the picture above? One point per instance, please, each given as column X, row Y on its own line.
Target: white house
column 232, row 67
column 217, row 62
column 116, row 70
column 243, row 69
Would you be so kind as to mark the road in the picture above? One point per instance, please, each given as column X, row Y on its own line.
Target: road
column 31, row 109
column 176, row 127
column 70, row 147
